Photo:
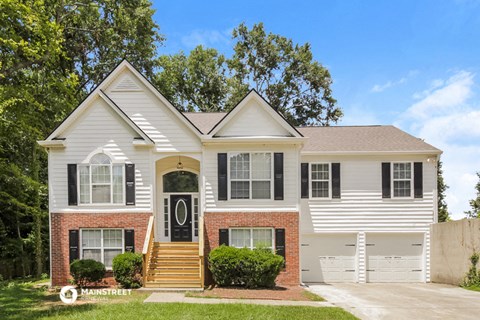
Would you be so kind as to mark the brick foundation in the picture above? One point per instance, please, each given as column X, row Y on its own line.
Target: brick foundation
column 62, row 222
column 288, row 220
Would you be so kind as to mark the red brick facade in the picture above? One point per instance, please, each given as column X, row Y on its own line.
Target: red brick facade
column 287, row 220
column 63, row 222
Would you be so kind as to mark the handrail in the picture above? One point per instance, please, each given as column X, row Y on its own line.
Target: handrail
column 147, row 248
column 201, row 250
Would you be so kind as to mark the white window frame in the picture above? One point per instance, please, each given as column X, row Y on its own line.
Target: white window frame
column 251, row 247
column 250, row 179
column 392, row 183
column 102, row 247
column 311, row 180
column 90, row 184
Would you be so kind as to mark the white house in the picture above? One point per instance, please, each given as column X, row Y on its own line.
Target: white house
column 129, row 172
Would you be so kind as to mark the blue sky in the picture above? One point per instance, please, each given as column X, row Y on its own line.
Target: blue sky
column 413, row 64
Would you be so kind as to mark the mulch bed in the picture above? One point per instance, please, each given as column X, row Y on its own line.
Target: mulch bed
column 295, row 293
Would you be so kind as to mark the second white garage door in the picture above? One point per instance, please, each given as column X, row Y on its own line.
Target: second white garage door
column 329, row 258
column 394, row 257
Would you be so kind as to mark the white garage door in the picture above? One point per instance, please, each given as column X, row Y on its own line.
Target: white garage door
column 394, row 257
column 329, row 258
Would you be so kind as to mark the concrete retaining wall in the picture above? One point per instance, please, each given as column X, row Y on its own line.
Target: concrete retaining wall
column 452, row 244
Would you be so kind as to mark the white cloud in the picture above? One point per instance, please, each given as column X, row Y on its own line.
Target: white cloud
column 443, row 95
column 206, row 38
column 382, row 87
column 445, row 118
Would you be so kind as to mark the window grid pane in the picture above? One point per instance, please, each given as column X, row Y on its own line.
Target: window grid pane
column 101, row 194
column 241, row 238
column 261, row 190
column 195, row 216
column 320, row 180
column 402, row 177
column 261, row 166
column 91, row 238
column 95, row 254
column 262, row 238
column 101, row 174
column 84, row 184
column 117, row 173
column 108, row 255
column 165, row 216
column 240, row 166
column 112, row 238
column 240, row 190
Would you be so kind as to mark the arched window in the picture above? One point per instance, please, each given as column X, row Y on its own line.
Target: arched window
column 180, row 181
column 101, row 181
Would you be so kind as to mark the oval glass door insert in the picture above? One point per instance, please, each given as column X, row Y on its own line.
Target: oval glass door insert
column 181, row 212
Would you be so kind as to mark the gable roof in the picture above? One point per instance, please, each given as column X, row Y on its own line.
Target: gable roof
column 98, row 93
column 357, row 139
column 205, row 121
column 124, row 64
column 253, row 94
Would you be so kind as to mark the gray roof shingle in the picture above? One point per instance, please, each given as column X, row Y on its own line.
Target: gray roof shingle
column 362, row 139
column 338, row 138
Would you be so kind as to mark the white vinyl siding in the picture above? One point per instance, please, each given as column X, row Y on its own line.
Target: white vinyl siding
column 99, row 129
column 101, row 245
column 162, row 125
column 251, row 238
column 250, row 175
column 402, row 179
column 252, row 120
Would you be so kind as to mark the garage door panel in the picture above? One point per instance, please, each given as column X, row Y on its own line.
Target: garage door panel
column 394, row 258
column 329, row 258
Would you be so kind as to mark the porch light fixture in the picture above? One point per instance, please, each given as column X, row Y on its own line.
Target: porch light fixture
column 179, row 164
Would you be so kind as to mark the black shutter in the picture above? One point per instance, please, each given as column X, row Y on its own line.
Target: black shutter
column 72, row 184
column 336, row 180
column 386, row 192
column 222, row 176
column 223, row 237
column 130, row 184
column 278, row 175
column 418, row 179
column 73, row 239
column 129, row 240
column 304, row 180
column 280, row 242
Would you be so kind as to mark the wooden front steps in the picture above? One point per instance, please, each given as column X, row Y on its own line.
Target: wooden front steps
column 174, row 265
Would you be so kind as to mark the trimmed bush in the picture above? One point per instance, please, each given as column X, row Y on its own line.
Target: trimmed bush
column 127, row 269
column 255, row 268
column 86, row 271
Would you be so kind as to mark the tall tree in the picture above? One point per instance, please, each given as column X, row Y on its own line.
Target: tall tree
column 441, row 188
column 285, row 74
column 474, row 212
column 51, row 53
column 197, row 82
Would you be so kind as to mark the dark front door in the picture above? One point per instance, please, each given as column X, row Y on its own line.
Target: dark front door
column 181, row 217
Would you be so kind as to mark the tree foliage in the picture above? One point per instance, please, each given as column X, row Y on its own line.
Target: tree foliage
column 474, row 212
column 51, row 53
column 197, row 82
column 441, row 188
column 283, row 72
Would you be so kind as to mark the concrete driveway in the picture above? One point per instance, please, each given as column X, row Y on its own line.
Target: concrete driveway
column 402, row 301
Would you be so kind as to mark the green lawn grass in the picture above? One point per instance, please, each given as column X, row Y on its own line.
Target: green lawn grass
column 24, row 301
column 473, row 288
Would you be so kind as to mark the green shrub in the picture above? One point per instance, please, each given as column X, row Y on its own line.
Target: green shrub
column 86, row 271
column 244, row 267
column 127, row 269
column 472, row 278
